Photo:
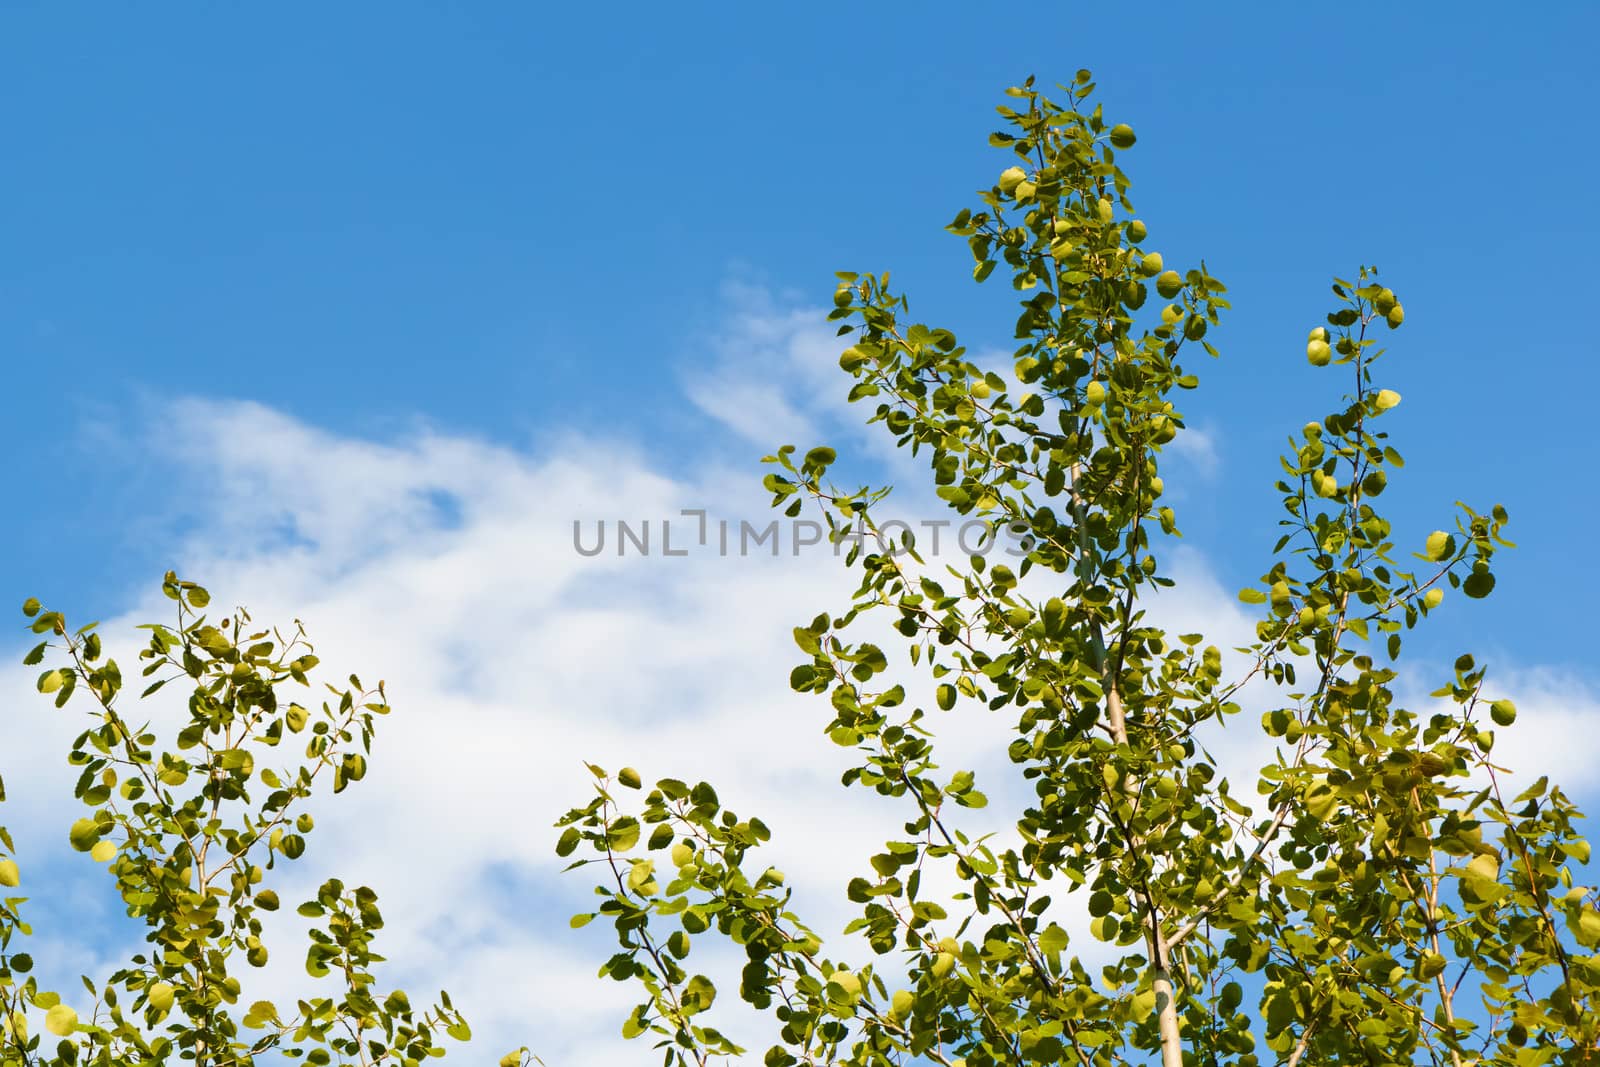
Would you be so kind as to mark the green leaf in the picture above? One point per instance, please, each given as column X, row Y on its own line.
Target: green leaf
column 1280, row 596
column 1430, row 965
column 1054, row 617
column 1321, row 801
column 640, row 873
column 48, row 622
column 624, row 834
column 61, row 1020
column 1587, row 928
column 161, row 995
column 698, row 994
column 821, row 457
column 83, row 834
column 1440, row 546
column 1231, row 997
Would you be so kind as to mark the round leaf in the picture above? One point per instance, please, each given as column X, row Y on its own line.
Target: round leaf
column 1478, row 584
column 60, row 1020
column 160, row 996
column 83, row 834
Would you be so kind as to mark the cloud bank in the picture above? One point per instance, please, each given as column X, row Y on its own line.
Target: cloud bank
column 446, row 565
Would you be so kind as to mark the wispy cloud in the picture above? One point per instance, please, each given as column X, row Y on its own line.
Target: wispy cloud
column 1197, row 446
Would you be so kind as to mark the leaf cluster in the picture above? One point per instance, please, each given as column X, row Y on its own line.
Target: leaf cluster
column 1371, row 888
column 192, row 835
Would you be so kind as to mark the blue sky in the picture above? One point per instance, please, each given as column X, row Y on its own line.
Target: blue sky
column 496, row 218
column 463, row 239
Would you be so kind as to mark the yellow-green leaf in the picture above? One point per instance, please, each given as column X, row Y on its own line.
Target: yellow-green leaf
column 60, row 1020
column 641, row 873
column 1321, row 801
column 83, row 834
column 1588, row 928
column 161, row 995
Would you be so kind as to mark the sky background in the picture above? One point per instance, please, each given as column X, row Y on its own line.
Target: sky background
column 349, row 312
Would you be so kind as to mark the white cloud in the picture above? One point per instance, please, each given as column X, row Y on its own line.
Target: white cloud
column 755, row 412
column 446, row 565
column 1197, row 446
column 774, row 374
column 1558, row 712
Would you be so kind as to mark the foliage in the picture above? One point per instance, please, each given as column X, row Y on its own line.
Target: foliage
column 1376, row 894
column 193, row 836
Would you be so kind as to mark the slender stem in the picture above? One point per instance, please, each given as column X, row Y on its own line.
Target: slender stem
column 1301, row 1045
